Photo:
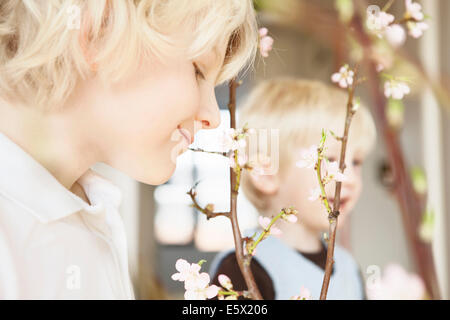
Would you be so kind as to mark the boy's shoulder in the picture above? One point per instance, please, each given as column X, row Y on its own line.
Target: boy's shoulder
column 344, row 258
column 342, row 253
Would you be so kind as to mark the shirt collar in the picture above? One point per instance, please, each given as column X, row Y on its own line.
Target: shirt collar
column 31, row 186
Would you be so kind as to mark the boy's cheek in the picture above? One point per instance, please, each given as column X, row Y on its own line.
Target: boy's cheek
column 315, row 220
column 150, row 166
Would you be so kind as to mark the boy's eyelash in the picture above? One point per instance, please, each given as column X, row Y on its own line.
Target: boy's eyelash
column 356, row 162
column 198, row 71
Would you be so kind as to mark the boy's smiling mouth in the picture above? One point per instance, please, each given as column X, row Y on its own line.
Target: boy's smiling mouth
column 186, row 134
column 343, row 203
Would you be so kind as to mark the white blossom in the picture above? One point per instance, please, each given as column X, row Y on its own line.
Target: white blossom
column 242, row 159
column 186, row 271
column 416, row 29
column 264, row 223
column 380, row 67
column 333, row 172
column 202, row 293
column 265, row 42
column 196, row 283
column 308, row 157
column 344, row 77
column 395, row 89
column 379, row 21
column 305, row 294
column 230, row 139
column 396, row 284
column 314, row 194
column 225, row 282
column 414, row 10
column 395, row 35
column 291, row 218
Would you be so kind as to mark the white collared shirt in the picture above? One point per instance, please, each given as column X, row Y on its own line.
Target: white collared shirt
column 53, row 244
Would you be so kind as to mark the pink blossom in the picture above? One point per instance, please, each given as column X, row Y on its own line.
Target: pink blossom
column 315, row 194
column 190, row 275
column 275, row 231
column 380, row 67
column 202, row 293
column 333, row 172
column 308, row 158
column 379, row 21
column 230, row 141
column 241, row 159
column 196, row 283
column 185, row 270
column 291, row 218
column 396, row 284
column 395, row 35
column 305, row 294
column 264, row 223
column 344, row 77
column 395, row 89
column 199, row 280
column 416, row 29
column 265, row 42
column 414, row 10
column 225, row 282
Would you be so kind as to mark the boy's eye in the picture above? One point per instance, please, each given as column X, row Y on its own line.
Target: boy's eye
column 198, row 72
column 357, row 162
column 331, row 159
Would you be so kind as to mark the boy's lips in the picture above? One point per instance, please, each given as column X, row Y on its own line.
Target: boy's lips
column 342, row 204
column 186, row 134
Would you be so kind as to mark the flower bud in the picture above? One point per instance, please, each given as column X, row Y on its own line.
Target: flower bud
column 225, row 282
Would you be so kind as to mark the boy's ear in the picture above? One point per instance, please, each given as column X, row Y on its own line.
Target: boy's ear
column 84, row 41
column 265, row 183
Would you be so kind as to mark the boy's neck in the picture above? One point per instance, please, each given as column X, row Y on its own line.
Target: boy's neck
column 301, row 238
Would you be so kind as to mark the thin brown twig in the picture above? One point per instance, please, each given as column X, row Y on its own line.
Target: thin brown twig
column 333, row 215
column 388, row 5
column 242, row 259
column 209, row 213
column 225, row 154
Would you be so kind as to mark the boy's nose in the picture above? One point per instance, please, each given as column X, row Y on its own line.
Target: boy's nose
column 351, row 176
column 209, row 113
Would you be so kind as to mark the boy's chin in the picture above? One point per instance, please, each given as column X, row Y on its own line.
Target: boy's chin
column 156, row 176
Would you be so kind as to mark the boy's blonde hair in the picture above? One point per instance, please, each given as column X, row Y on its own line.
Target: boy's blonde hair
column 300, row 109
column 43, row 47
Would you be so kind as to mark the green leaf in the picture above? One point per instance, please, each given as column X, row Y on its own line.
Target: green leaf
column 322, row 140
column 419, row 180
column 201, row 262
column 426, row 228
column 345, row 9
column 395, row 112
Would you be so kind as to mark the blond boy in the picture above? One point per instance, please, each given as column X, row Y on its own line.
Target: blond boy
column 127, row 83
column 300, row 109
